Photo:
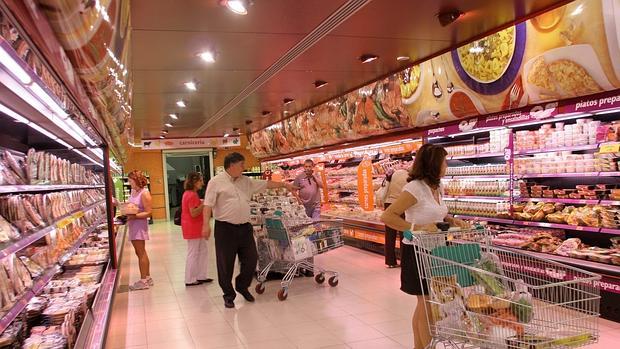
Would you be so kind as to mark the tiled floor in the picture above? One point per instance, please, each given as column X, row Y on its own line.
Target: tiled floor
column 366, row 310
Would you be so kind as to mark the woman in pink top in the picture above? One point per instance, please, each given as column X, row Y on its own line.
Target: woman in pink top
column 191, row 224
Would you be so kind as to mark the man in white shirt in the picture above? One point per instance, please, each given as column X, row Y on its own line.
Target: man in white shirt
column 227, row 199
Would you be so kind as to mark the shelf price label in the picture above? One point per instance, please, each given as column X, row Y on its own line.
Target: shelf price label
column 365, row 188
column 610, row 148
column 64, row 223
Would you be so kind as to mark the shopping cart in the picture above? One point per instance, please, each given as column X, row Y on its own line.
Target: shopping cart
column 292, row 244
column 481, row 296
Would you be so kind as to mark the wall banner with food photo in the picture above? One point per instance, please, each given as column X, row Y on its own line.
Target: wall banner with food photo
column 569, row 52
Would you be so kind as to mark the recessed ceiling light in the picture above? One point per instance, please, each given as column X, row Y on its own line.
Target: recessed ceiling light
column 162, row 137
column 312, row 112
column 226, row 135
column 320, row 83
column 168, row 124
column 173, row 116
column 164, row 132
column 190, row 85
column 286, row 112
column 181, row 104
column 288, row 101
column 266, row 112
column 207, row 56
column 367, row 58
column 239, row 7
column 402, row 58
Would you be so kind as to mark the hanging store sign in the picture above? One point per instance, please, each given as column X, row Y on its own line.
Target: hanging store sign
column 191, row 143
column 365, row 189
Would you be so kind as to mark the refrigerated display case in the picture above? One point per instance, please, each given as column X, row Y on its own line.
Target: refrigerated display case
column 58, row 252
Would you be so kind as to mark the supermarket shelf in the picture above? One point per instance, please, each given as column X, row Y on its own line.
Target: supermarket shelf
column 41, row 281
column 348, row 176
column 28, row 240
column 562, row 201
column 9, row 189
column 504, row 176
column 551, row 150
column 488, row 219
column 610, row 231
column 474, row 197
column 476, row 156
column 610, row 202
column 556, row 226
column 596, row 266
column 356, row 222
column 559, row 175
column 542, row 224
column 609, row 174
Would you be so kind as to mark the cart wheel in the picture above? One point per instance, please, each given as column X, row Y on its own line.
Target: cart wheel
column 260, row 288
column 333, row 281
column 282, row 294
column 319, row 278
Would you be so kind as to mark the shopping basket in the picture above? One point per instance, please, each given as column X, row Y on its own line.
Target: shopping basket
column 292, row 242
column 482, row 296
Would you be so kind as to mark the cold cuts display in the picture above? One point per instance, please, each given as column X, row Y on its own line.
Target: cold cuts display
column 37, row 167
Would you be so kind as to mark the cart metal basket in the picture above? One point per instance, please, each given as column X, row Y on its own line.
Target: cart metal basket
column 292, row 242
column 482, row 296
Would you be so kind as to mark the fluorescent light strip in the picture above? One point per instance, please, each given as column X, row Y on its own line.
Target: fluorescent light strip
column 79, row 131
column 88, row 157
column 480, row 130
column 98, row 152
column 550, row 120
column 42, row 130
column 48, row 100
column 609, row 111
column 14, row 67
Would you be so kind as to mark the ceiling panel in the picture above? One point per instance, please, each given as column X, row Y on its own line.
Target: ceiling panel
column 167, row 37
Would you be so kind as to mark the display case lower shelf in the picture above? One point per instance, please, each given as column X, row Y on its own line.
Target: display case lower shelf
column 41, row 281
column 8, row 189
column 541, row 224
column 358, row 223
column 611, row 269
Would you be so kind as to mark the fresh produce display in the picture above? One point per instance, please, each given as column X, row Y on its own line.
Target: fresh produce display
column 38, row 167
column 29, row 212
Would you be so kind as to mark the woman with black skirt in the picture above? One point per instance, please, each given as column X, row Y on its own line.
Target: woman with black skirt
column 422, row 203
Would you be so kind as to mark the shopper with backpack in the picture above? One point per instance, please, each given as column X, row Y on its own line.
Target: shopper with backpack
column 191, row 225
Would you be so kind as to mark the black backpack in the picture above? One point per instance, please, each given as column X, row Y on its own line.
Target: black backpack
column 177, row 216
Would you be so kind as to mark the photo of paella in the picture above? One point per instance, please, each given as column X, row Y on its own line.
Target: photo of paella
column 486, row 60
column 409, row 80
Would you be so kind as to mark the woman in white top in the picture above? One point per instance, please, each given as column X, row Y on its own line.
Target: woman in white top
column 422, row 203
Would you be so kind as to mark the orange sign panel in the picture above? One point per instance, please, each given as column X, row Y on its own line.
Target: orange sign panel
column 365, row 189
